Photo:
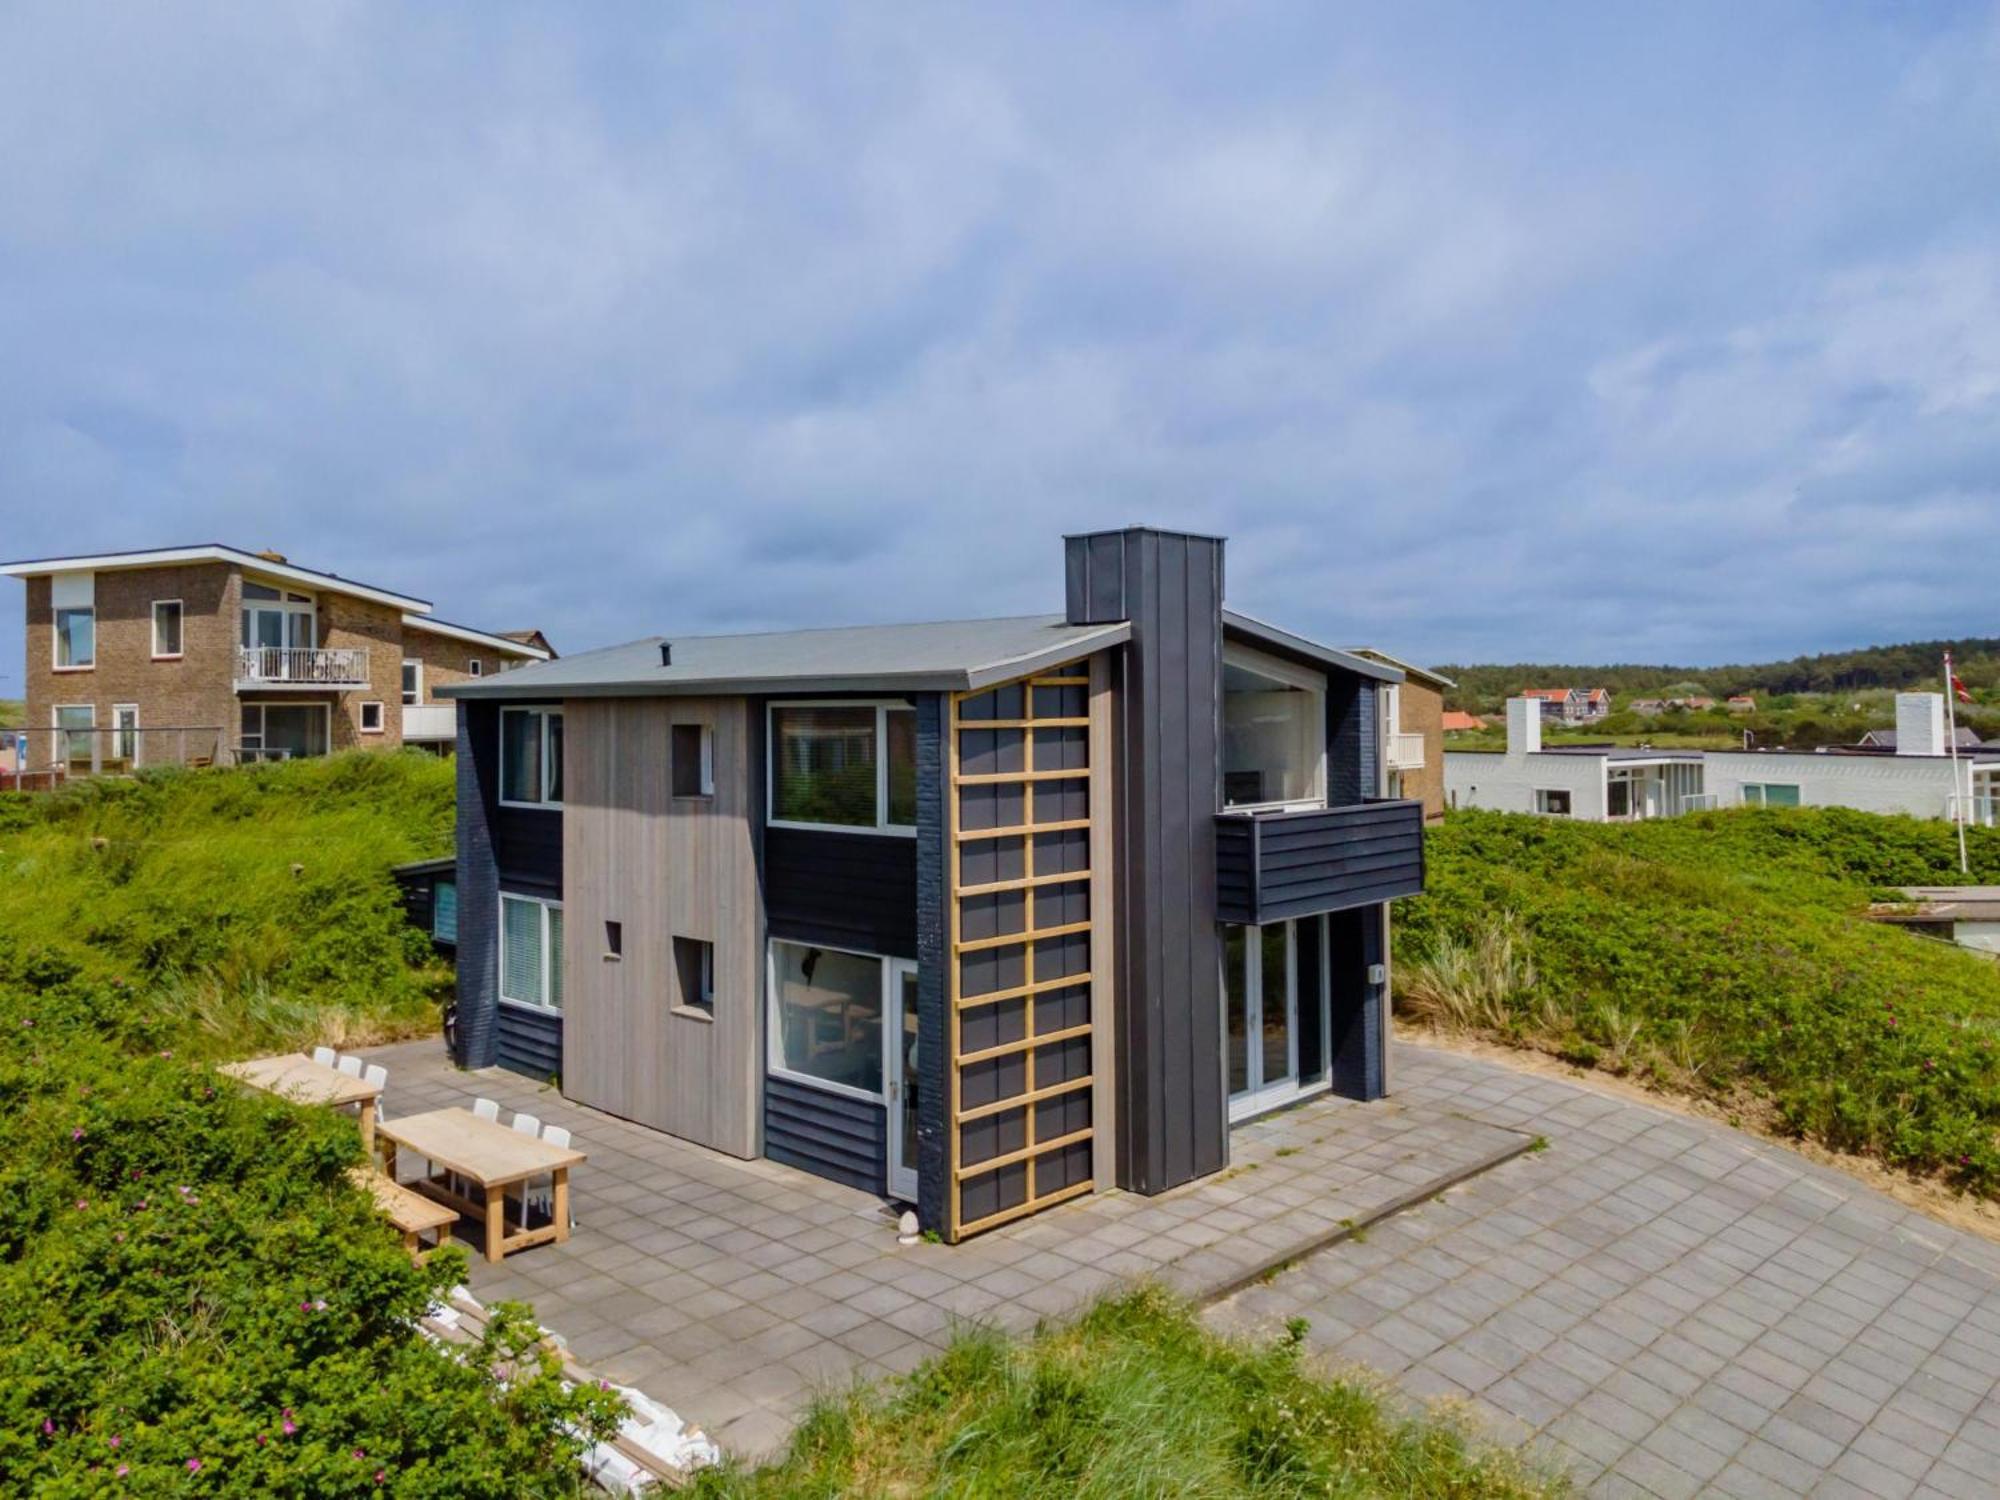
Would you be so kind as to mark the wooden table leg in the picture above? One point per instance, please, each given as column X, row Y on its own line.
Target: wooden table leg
column 496, row 1221
column 388, row 1158
column 559, row 1208
column 368, row 1128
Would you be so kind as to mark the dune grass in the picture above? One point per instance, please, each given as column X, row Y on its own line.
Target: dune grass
column 1722, row 955
column 1136, row 1398
column 252, row 905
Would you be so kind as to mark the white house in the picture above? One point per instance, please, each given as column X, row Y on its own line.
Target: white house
column 1918, row 777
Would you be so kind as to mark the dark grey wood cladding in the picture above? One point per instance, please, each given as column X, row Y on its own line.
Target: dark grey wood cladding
column 528, row 844
column 478, row 958
column 529, row 1041
column 845, row 890
column 827, row 1134
column 1271, row 866
column 1167, row 785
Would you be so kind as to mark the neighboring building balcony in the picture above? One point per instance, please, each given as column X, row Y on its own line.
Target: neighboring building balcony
column 301, row 666
column 1271, row 866
column 430, row 721
column 1406, row 752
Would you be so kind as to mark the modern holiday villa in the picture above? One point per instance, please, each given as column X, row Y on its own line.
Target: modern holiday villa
column 980, row 915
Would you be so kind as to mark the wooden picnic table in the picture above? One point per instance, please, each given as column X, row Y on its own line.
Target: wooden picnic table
column 293, row 1075
column 492, row 1158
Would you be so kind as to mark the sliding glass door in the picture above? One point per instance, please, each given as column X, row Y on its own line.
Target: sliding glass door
column 1274, row 1011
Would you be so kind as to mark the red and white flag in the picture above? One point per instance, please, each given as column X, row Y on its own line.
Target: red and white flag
column 1957, row 684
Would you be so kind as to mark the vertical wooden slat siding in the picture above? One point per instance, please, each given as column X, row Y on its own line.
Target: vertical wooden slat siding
column 1038, row 1132
column 662, row 867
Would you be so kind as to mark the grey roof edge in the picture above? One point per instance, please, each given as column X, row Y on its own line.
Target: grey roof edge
column 1298, row 645
column 526, row 683
column 136, row 557
column 1410, row 669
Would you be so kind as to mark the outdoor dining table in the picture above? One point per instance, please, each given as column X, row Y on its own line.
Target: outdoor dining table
column 293, row 1075
column 491, row 1157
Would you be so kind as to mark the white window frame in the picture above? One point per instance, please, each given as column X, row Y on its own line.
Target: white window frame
column 540, row 1007
column 418, row 687
column 706, row 778
column 289, row 602
column 474, row 667
column 542, row 712
column 1762, row 789
column 1543, row 791
column 1266, row 1096
column 883, row 708
column 62, row 734
column 62, row 584
column 774, row 1044
column 119, row 731
column 180, row 615
column 261, row 705
column 1292, row 675
column 381, row 718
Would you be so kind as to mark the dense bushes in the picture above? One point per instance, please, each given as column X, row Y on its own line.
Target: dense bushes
column 252, row 906
column 1135, row 1399
column 192, row 1297
column 1720, row 953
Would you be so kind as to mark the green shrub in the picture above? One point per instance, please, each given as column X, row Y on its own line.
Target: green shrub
column 1135, row 1398
column 1721, row 953
column 193, row 1297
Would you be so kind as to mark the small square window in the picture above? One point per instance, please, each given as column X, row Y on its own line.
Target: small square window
column 371, row 718
column 694, row 760
column 694, row 972
column 1552, row 802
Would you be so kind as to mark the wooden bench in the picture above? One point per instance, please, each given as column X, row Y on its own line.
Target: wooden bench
column 412, row 1213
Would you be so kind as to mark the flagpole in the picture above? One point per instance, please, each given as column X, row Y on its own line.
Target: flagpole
column 1951, row 736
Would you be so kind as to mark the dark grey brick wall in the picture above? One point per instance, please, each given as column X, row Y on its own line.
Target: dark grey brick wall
column 478, row 895
column 933, row 927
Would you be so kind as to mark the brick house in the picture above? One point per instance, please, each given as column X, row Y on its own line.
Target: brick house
column 1413, row 725
column 210, row 655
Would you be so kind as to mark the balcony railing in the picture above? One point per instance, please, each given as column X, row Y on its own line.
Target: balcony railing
column 1406, row 752
column 1299, row 863
column 430, row 721
column 51, row 756
column 301, row 666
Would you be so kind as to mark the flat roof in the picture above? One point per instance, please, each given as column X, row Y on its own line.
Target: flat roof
column 149, row 557
column 937, row 656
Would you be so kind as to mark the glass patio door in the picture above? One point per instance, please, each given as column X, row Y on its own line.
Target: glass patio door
column 905, row 1089
column 1260, row 1014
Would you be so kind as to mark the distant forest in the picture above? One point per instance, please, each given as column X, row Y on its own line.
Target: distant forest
column 1917, row 665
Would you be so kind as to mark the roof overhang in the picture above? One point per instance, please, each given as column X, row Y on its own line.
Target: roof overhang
column 1410, row 670
column 553, row 680
column 1266, row 634
column 476, row 637
column 105, row 562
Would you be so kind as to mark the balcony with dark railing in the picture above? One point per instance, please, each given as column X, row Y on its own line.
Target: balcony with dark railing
column 1301, row 862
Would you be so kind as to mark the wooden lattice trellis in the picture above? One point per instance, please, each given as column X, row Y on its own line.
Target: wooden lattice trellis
column 1023, row 948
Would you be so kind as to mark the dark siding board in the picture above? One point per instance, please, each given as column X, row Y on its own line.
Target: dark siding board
column 1355, row 943
column 1312, row 1015
column 827, row 1134
column 933, row 931
column 529, row 1041
column 528, row 844
column 478, row 955
column 1167, row 788
column 845, row 890
column 1298, row 864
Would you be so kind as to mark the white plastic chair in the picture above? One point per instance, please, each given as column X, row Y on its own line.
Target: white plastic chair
column 485, row 1109
column 527, row 1124
column 350, row 1065
column 376, row 1075
column 540, row 1192
column 325, row 1056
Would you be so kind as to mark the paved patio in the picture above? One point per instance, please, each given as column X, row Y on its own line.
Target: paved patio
column 1667, row 1306
column 731, row 1290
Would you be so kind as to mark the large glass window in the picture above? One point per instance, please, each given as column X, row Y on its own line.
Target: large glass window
column 413, row 681
column 444, row 911
column 1273, row 733
column 531, row 950
column 73, row 723
column 826, row 1022
column 276, row 620
column 844, row 765
column 166, row 627
column 1275, row 998
column 73, row 598
column 1770, row 794
column 531, row 741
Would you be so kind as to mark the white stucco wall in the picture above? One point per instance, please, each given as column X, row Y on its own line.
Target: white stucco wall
column 1916, row 784
column 1508, row 783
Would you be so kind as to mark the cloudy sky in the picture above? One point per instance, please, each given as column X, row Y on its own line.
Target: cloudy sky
column 1484, row 332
